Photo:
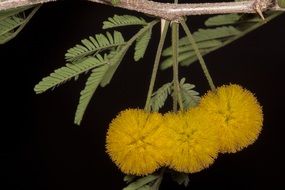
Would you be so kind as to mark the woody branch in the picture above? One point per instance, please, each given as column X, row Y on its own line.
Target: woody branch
column 170, row 11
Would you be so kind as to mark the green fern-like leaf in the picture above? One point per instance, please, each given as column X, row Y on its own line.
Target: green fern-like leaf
column 236, row 20
column 205, row 38
column 159, row 97
column 129, row 178
column 123, row 20
column 10, row 23
column 87, row 93
column 180, row 178
column 222, row 30
column 186, row 53
column 190, row 97
column 13, row 12
column 69, row 71
column 141, row 183
column 13, row 21
column 141, row 44
column 120, row 53
column 116, row 58
column 5, row 37
column 103, row 68
column 94, row 45
column 211, row 34
column 223, row 20
column 187, row 48
column 181, row 58
column 147, row 187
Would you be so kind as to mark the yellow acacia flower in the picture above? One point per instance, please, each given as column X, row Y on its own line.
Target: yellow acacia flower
column 194, row 145
column 135, row 142
column 238, row 116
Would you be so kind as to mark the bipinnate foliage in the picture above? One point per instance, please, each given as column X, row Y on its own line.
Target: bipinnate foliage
column 119, row 55
column 152, row 182
column 90, row 87
column 180, row 178
column 145, row 183
column 123, row 20
column 94, row 45
column 13, row 21
column 219, row 31
column 87, row 58
column 141, row 45
column 66, row 73
column 190, row 97
column 159, row 97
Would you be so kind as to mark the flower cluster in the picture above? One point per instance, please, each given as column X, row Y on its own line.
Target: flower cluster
column 226, row 120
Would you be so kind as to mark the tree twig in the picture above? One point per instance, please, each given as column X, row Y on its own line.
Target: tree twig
column 10, row 4
column 168, row 11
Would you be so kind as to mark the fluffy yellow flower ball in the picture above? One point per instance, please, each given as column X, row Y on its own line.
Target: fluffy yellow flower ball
column 135, row 142
column 238, row 116
column 194, row 144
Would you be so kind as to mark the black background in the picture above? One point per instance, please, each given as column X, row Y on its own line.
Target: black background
column 44, row 150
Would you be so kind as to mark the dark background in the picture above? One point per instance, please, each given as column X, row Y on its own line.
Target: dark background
column 42, row 149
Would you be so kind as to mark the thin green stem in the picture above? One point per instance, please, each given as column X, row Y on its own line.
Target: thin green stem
column 198, row 54
column 156, row 65
column 176, row 93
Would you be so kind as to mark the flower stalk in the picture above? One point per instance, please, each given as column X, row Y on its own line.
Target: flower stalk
column 176, row 92
column 198, row 54
column 156, row 65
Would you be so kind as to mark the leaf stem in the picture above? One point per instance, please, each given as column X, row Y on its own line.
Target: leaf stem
column 156, row 65
column 198, row 54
